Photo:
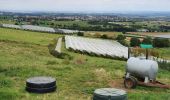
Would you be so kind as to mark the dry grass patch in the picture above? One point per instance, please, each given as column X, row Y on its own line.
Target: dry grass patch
column 80, row 59
column 102, row 75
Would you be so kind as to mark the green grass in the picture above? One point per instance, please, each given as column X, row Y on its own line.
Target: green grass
column 68, row 23
column 26, row 37
column 164, row 52
column 7, row 22
column 81, row 23
column 152, row 24
column 25, row 54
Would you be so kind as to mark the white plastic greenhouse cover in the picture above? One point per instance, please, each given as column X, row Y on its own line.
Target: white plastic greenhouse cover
column 97, row 46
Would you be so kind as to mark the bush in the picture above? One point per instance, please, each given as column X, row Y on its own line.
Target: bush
column 104, row 36
column 160, row 42
column 120, row 37
column 121, row 40
column 134, row 42
column 124, row 32
column 80, row 34
column 147, row 40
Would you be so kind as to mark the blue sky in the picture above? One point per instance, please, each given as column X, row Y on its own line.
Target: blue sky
column 85, row 5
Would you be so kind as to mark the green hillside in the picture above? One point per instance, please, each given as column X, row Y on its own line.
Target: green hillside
column 25, row 54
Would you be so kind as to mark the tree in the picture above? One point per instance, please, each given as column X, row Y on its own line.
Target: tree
column 134, row 42
column 147, row 40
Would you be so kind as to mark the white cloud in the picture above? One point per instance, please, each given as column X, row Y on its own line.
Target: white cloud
column 86, row 5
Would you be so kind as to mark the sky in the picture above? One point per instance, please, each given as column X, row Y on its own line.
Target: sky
column 85, row 5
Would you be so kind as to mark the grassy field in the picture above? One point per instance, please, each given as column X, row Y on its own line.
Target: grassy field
column 150, row 33
column 99, row 34
column 153, row 24
column 7, row 22
column 164, row 52
column 25, row 54
column 69, row 23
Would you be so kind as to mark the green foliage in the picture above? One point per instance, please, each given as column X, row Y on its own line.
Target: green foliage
column 160, row 42
column 104, row 36
column 121, row 40
column 120, row 37
column 124, row 32
column 147, row 40
column 51, row 48
column 134, row 42
column 80, row 34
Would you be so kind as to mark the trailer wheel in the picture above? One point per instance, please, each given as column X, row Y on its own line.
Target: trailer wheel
column 130, row 82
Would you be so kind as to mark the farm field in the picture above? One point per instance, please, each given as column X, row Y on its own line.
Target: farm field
column 100, row 47
column 24, row 54
column 152, row 34
column 99, row 34
column 81, row 23
column 143, row 23
column 7, row 22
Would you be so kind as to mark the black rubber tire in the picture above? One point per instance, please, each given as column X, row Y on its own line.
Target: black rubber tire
column 41, row 90
column 110, row 94
column 100, row 97
column 132, row 81
column 40, row 82
column 40, row 85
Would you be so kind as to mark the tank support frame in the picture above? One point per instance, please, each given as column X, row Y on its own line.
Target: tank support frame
column 146, row 82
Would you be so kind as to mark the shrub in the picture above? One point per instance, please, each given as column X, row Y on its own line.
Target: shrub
column 160, row 42
column 147, row 40
column 121, row 40
column 134, row 42
column 104, row 36
column 120, row 37
column 80, row 34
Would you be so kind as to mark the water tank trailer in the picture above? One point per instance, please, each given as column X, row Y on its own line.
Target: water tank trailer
column 142, row 72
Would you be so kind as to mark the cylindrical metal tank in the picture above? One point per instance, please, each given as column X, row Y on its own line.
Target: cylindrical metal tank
column 142, row 68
